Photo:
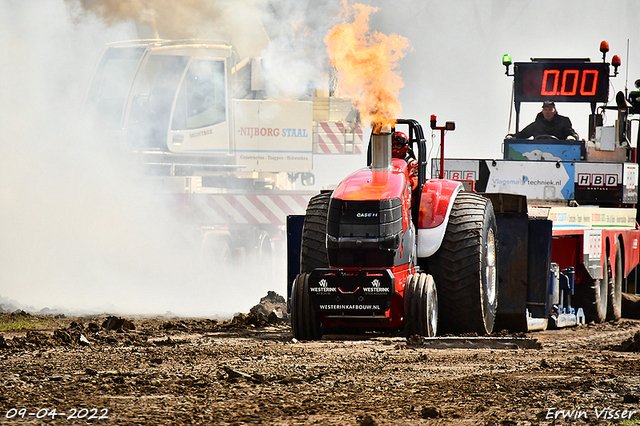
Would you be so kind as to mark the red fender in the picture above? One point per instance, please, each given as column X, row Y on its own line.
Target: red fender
column 436, row 202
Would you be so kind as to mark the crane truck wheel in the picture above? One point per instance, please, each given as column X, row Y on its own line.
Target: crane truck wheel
column 614, row 283
column 217, row 250
column 264, row 254
column 305, row 320
column 465, row 267
column 592, row 298
column 420, row 306
column 314, row 231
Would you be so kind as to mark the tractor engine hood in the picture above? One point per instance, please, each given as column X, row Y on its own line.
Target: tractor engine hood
column 368, row 184
column 368, row 217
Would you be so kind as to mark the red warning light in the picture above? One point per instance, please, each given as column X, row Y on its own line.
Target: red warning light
column 615, row 61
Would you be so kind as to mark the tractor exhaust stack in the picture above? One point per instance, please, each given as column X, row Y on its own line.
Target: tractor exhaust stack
column 381, row 147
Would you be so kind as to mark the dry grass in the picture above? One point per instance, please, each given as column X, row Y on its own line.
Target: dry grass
column 17, row 321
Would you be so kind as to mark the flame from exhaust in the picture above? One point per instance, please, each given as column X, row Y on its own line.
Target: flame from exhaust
column 367, row 65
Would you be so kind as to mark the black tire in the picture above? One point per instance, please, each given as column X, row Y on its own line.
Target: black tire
column 420, row 306
column 314, row 233
column 614, row 286
column 592, row 298
column 305, row 320
column 465, row 267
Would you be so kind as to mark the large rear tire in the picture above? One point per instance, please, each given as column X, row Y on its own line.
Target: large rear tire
column 465, row 267
column 614, row 284
column 305, row 320
column 420, row 306
column 314, row 234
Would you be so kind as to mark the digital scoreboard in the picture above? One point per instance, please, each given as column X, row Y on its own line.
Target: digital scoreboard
column 561, row 81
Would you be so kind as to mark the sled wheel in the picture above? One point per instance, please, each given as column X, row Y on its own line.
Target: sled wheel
column 465, row 268
column 314, row 234
column 421, row 306
column 614, row 284
column 305, row 321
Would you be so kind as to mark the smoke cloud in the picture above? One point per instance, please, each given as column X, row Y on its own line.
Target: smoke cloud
column 79, row 230
column 287, row 35
column 183, row 19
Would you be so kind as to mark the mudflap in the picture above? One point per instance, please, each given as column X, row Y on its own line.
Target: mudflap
column 294, row 243
column 524, row 244
column 361, row 294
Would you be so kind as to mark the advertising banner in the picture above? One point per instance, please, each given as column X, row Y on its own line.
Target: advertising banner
column 537, row 180
column 273, row 136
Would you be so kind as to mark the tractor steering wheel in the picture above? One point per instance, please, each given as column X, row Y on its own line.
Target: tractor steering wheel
column 546, row 137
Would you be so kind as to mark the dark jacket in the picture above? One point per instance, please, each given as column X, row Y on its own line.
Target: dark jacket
column 560, row 127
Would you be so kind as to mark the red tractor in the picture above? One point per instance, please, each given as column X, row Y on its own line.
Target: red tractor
column 389, row 250
column 553, row 240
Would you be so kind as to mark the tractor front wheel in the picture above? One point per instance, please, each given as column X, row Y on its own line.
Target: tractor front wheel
column 305, row 320
column 420, row 306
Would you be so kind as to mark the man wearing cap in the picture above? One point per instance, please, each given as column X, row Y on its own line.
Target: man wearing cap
column 549, row 122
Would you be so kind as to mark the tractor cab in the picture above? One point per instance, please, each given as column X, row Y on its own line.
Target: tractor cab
column 575, row 80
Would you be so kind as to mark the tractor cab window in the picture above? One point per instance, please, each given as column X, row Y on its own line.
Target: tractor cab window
column 202, row 99
column 109, row 89
column 152, row 99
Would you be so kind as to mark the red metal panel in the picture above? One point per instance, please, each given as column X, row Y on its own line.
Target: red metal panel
column 567, row 251
column 630, row 250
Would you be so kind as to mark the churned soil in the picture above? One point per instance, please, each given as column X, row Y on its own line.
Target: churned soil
column 249, row 370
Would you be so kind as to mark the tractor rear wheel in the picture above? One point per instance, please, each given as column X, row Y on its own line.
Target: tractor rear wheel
column 305, row 320
column 420, row 306
column 614, row 305
column 465, row 267
column 314, row 234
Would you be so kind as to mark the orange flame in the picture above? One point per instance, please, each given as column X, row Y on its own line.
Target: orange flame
column 366, row 64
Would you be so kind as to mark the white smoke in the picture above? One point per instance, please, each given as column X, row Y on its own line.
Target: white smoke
column 296, row 60
column 78, row 229
column 287, row 35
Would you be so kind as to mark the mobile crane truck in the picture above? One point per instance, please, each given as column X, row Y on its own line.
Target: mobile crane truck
column 195, row 116
column 546, row 236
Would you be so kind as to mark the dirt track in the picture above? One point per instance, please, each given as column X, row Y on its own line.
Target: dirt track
column 173, row 371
